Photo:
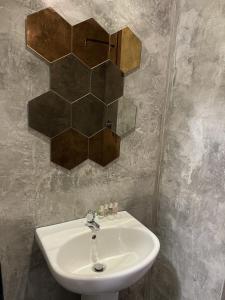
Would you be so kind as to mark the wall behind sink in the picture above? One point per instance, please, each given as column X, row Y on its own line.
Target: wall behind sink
column 34, row 192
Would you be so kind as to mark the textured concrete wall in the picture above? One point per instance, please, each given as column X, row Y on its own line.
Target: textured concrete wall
column 34, row 192
column 192, row 203
column 223, row 295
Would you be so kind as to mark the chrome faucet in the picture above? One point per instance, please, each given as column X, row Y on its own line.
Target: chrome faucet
column 90, row 221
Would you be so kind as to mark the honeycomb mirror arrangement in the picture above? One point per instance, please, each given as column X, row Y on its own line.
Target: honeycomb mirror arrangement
column 84, row 113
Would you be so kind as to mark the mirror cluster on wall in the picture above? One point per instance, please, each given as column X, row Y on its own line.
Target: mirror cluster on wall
column 84, row 113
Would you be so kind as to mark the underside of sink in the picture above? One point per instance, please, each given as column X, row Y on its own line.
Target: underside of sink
column 125, row 247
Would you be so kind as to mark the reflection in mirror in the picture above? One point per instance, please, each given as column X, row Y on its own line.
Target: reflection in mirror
column 126, row 118
column 125, row 112
column 90, row 42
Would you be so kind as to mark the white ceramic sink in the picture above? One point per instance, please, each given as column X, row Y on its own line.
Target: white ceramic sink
column 125, row 246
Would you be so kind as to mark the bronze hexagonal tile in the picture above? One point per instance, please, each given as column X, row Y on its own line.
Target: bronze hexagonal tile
column 69, row 149
column 107, row 82
column 123, row 115
column 125, row 50
column 48, row 34
column 70, row 78
column 90, row 42
column 104, row 147
column 49, row 114
column 88, row 115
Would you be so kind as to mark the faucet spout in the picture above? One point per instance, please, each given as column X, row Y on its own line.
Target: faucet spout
column 94, row 226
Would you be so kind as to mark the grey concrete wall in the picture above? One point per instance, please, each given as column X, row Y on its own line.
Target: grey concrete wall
column 34, row 192
column 192, row 202
column 223, row 294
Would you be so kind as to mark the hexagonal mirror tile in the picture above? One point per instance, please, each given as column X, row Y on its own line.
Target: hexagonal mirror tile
column 90, row 42
column 48, row 34
column 123, row 115
column 107, row 82
column 104, row 147
column 49, row 114
column 70, row 78
column 88, row 115
column 125, row 50
column 69, row 149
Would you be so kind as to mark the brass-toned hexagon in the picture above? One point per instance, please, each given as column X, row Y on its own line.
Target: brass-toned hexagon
column 88, row 115
column 104, row 147
column 125, row 50
column 48, row 34
column 69, row 149
column 70, row 78
column 90, row 42
column 123, row 115
column 107, row 82
column 49, row 114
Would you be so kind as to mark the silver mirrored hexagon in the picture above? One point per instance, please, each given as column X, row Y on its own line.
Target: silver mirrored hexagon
column 124, row 112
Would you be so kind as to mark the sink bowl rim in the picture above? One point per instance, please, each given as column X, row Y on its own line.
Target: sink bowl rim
column 101, row 276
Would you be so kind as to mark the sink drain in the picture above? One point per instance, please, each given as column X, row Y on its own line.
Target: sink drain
column 98, row 267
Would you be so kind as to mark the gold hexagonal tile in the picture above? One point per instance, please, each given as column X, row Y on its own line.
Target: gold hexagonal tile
column 90, row 42
column 104, row 147
column 125, row 50
column 69, row 149
column 48, row 34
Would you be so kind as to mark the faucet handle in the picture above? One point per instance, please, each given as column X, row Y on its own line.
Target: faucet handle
column 90, row 215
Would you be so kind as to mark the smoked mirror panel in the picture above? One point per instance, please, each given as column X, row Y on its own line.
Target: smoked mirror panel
column 104, row 147
column 69, row 149
column 48, row 34
column 49, row 114
column 107, row 82
column 90, row 42
column 70, row 78
column 125, row 50
column 88, row 115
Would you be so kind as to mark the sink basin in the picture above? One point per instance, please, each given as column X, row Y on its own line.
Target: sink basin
column 125, row 247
